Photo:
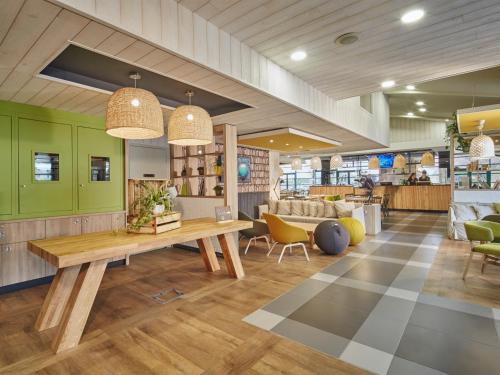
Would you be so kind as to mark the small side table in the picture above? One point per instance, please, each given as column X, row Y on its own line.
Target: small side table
column 373, row 218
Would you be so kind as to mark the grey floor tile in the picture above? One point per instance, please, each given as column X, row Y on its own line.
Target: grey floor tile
column 309, row 287
column 394, row 308
column 286, row 304
column 411, row 278
column 456, row 323
column 355, row 298
column 318, row 339
column 330, row 317
column 425, row 255
column 447, row 353
column 374, row 271
column 263, row 319
column 342, row 266
column 400, row 366
column 452, row 304
column 395, row 251
column 358, row 284
column 380, row 332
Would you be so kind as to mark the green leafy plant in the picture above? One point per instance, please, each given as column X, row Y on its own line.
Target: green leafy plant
column 151, row 196
column 452, row 132
column 218, row 190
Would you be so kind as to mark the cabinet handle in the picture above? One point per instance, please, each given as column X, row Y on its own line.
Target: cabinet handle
column 81, row 185
column 23, row 186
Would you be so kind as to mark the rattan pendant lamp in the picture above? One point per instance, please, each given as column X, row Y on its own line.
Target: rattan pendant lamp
column 374, row 163
column 481, row 146
column 316, row 163
column 399, row 161
column 427, row 159
column 190, row 125
column 134, row 113
column 336, row 161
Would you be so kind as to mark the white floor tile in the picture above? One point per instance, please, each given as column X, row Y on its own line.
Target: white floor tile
column 368, row 358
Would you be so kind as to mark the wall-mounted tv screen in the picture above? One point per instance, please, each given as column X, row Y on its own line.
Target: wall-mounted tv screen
column 386, row 160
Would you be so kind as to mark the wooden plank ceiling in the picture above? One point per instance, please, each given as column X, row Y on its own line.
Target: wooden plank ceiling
column 454, row 37
column 33, row 32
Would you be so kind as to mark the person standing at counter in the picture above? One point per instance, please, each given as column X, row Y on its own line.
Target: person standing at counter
column 412, row 180
column 424, row 177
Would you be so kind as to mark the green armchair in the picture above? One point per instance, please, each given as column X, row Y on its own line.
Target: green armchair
column 487, row 233
column 259, row 231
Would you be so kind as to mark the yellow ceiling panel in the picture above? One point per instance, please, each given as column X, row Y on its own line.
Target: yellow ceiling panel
column 287, row 140
column 468, row 119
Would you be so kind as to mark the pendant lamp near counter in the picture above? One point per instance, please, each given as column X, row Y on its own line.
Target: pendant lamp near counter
column 399, row 161
column 134, row 113
column 336, row 161
column 374, row 163
column 190, row 125
column 316, row 163
column 427, row 160
column 482, row 146
column 297, row 164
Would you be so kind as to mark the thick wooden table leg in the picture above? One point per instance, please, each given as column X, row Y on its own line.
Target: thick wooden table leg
column 207, row 252
column 79, row 304
column 231, row 255
column 55, row 301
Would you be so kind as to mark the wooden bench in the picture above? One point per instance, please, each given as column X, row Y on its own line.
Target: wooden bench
column 81, row 262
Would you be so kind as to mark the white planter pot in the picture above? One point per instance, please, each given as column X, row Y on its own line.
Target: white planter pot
column 158, row 209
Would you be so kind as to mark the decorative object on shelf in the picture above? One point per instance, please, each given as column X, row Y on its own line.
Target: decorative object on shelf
column 374, row 163
column 190, row 125
column 218, row 165
column 427, row 159
column 201, row 171
column 399, row 162
column 244, row 173
column 482, row 146
column 184, row 172
column 336, row 161
column 155, row 206
column 223, row 214
column 134, row 113
column 201, row 187
column 452, row 132
column 218, row 190
column 296, row 164
column 316, row 163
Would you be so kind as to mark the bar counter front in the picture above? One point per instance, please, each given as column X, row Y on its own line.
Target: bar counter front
column 401, row 197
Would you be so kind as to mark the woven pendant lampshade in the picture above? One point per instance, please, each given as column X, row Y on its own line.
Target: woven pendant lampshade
column 374, row 163
column 482, row 146
column 399, row 161
column 297, row 164
column 134, row 113
column 427, row 160
column 190, row 125
column 316, row 163
column 336, row 161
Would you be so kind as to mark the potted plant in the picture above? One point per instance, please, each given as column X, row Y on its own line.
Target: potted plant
column 452, row 132
column 218, row 190
column 154, row 201
column 201, row 170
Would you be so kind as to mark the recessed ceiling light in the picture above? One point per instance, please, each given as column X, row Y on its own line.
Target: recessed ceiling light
column 419, row 102
column 288, row 156
column 346, row 39
column 287, row 144
column 271, row 140
column 300, row 146
column 422, row 109
column 410, row 114
column 298, row 55
column 388, row 84
column 446, row 119
column 410, row 87
column 412, row 16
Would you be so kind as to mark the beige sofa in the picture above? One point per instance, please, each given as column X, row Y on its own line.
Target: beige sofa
column 460, row 212
column 313, row 211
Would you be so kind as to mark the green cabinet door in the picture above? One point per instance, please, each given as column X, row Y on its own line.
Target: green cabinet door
column 45, row 167
column 5, row 165
column 100, row 171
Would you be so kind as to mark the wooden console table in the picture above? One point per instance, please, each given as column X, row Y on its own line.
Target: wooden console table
column 81, row 262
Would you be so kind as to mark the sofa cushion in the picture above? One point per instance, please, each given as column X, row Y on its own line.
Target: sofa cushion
column 343, row 208
column 273, row 206
column 321, row 209
column 297, row 208
column 330, row 209
column 464, row 212
column 313, row 209
column 305, row 207
column 284, row 207
column 483, row 210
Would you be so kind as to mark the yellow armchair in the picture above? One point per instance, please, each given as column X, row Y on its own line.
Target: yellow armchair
column 287, row 234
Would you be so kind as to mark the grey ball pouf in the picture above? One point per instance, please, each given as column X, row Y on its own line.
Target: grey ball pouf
column 331, row 237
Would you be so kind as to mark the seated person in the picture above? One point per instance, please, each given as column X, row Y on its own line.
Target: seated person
column 424, row 177
column 412, row 180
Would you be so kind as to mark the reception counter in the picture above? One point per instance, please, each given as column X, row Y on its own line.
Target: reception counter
column 424, row 198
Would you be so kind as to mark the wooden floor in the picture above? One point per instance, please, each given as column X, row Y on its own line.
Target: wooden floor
column 129, row 333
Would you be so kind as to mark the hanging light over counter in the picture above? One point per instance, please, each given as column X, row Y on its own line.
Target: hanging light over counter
column 374, row 163
column 297, row 164
column 316, row 163
column 134, row 113
column 399, row 161
column 336, row 161
column 482, row 146
column 190, row 125
column 427, row 159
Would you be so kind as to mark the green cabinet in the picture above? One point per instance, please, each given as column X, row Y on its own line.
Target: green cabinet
column 45, row 167
column 100, row 171
column 5, row 165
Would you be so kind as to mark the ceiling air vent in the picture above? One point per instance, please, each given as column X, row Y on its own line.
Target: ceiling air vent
column 347, row 39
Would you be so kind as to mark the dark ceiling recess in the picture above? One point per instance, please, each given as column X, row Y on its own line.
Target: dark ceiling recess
column 79, row 65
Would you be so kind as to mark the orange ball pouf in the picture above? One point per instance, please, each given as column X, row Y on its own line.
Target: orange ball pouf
column 355, row 229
